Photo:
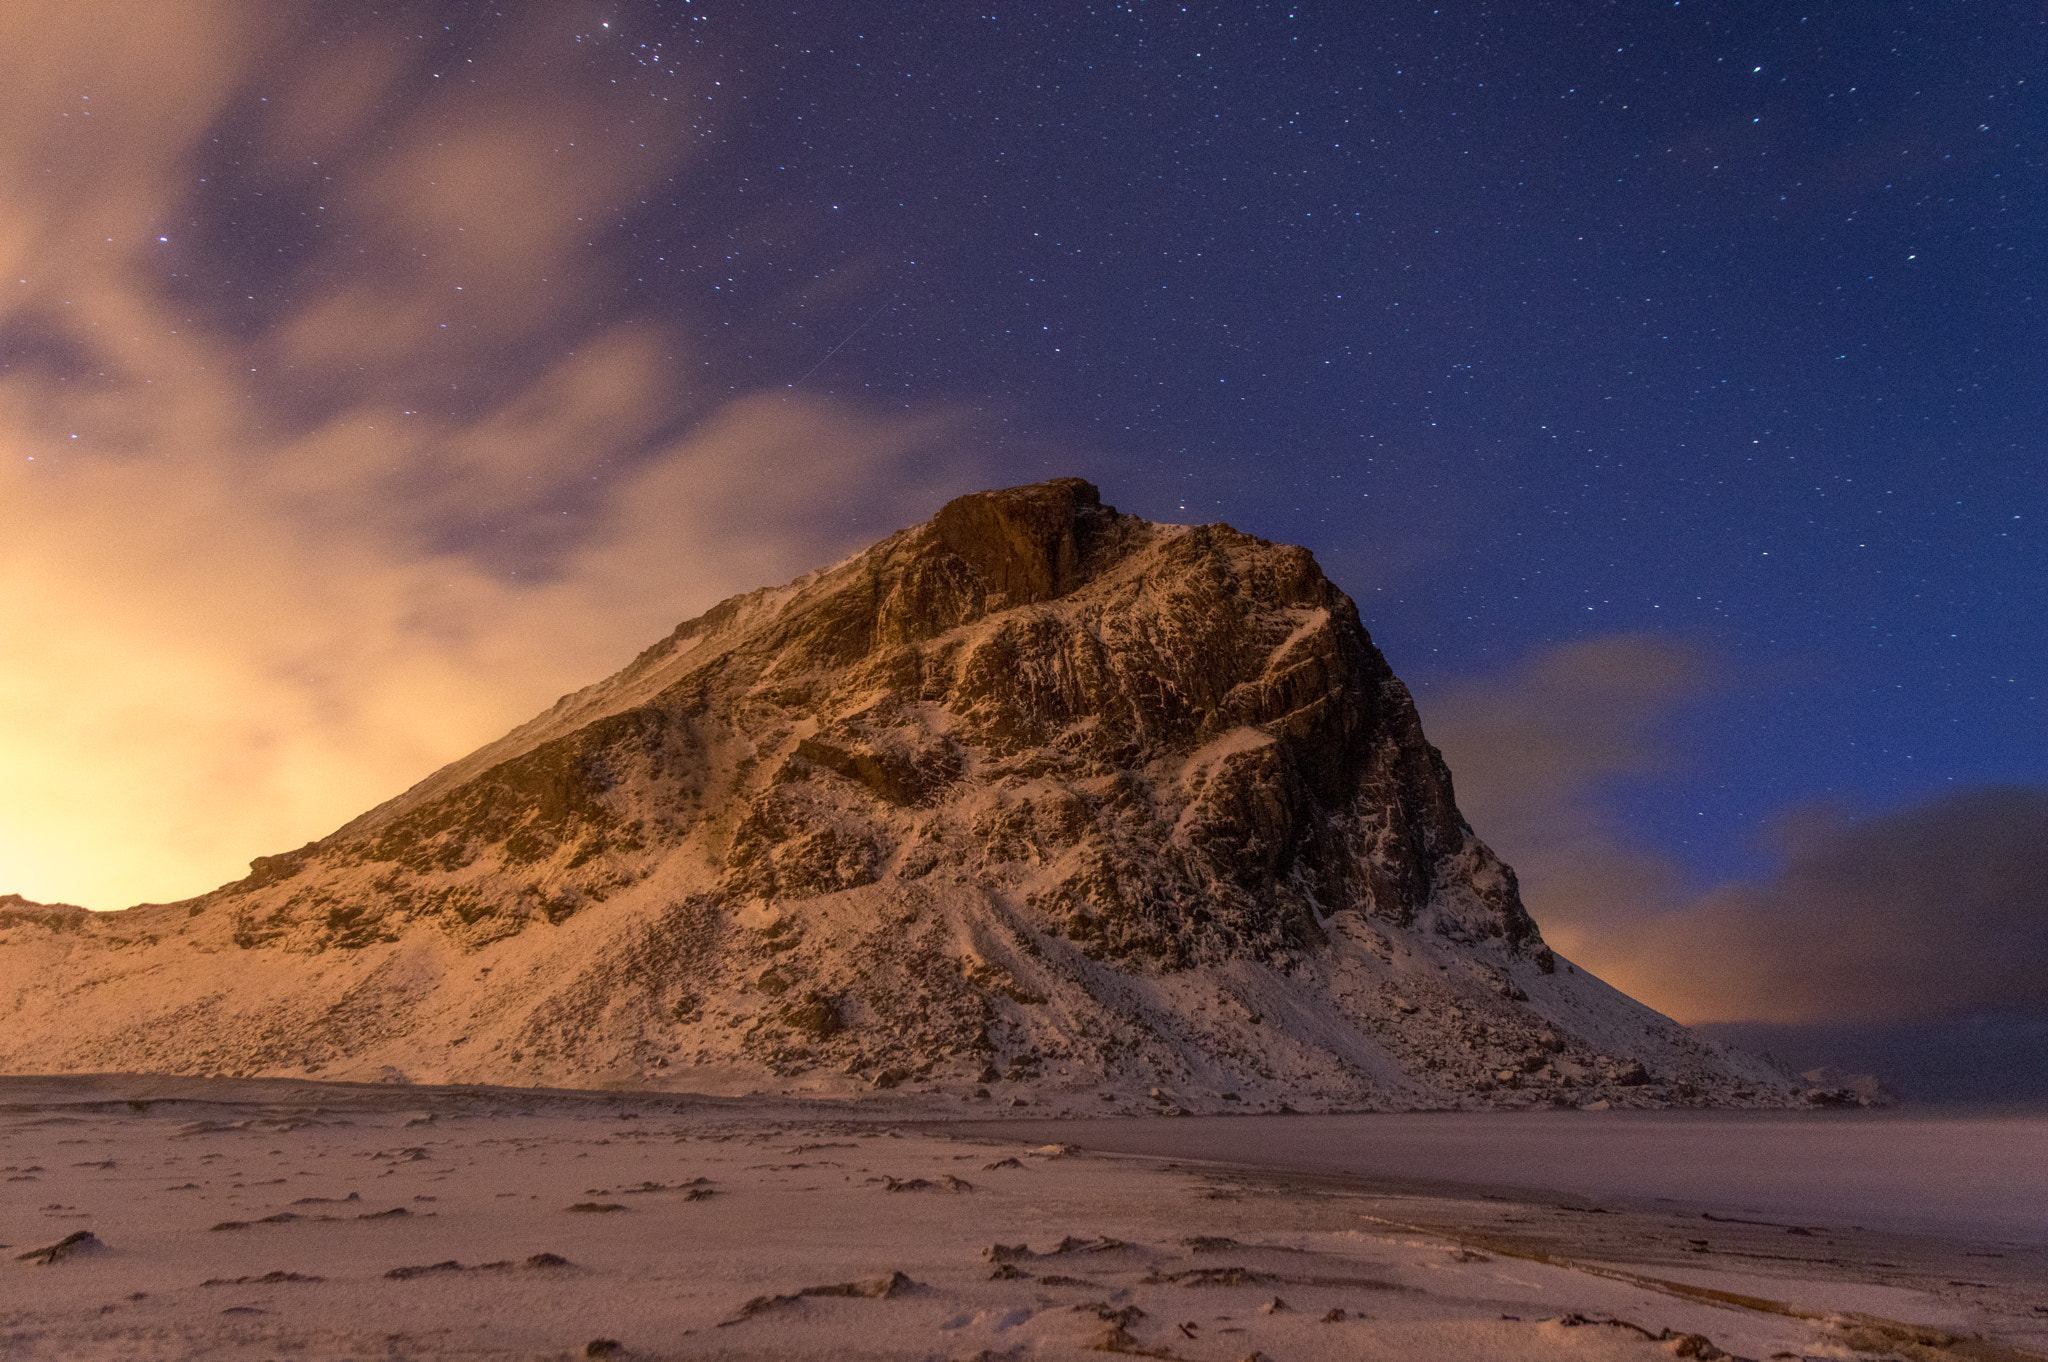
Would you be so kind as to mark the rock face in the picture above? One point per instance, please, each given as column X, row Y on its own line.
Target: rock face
column 1035, row 798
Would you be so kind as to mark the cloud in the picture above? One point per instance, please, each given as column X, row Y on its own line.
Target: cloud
column 1935, row 911
column 1537, row 747
column 255, row 584
column 1534, row 755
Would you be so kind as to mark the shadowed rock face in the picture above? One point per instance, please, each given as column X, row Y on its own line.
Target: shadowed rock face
column 953, row 802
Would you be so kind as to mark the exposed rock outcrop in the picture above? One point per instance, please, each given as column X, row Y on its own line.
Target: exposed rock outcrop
column 1035, row 797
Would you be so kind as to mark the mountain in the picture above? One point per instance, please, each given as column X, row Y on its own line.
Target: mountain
column 1034, row 798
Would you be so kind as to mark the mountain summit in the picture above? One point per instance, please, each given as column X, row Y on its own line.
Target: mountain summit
column 1032, row 802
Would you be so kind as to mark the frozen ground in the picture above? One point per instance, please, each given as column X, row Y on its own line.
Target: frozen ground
column 1960, row 1176
column 247, row 1220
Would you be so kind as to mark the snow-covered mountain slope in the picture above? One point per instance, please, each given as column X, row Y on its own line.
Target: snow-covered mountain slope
column 1035, row 798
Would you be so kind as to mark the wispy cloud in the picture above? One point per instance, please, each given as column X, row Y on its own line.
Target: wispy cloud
column 271, row 555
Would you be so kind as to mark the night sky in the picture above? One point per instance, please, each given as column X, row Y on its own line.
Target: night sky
column 1724, row 324
column 1665, row 382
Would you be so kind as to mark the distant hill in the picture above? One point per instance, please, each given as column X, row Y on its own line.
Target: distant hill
column 1959, row 1061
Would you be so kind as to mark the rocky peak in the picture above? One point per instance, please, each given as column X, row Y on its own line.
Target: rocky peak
column 1026, row 543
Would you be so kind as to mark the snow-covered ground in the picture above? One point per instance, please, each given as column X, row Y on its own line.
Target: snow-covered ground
column 257, row 1220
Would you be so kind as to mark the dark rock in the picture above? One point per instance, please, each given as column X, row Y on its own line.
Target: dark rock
column 269, row 870
column 1832, row 1097
column 874, row 1288
column 79, row 1243
column 1209, row 1243
column 286, row 1218
column 814, row 1015
column 1025, row 544
column 1219, row 1276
